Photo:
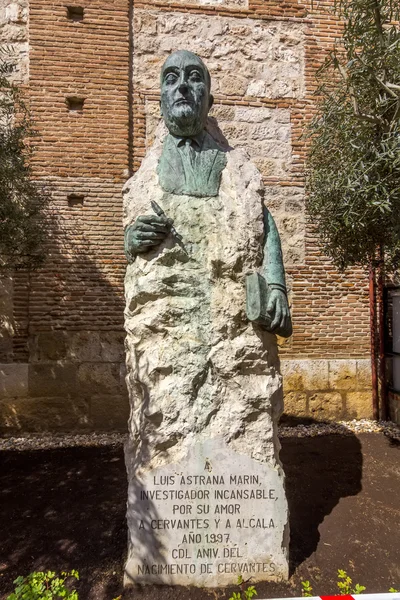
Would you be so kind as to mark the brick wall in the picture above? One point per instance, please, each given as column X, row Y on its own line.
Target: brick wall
column 66, row 369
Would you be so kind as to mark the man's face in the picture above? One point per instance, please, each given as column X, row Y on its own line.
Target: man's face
column 185, row 94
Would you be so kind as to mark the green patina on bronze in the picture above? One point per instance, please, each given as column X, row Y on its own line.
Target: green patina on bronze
column 192, row 163
column 261, row 288
column 191, row 166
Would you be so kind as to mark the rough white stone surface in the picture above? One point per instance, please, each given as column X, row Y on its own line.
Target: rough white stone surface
column 207, row 519
column 14, row 37
column 247, row 57
column 196, row 368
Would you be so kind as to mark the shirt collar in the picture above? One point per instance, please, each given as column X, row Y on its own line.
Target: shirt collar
column 196, row 139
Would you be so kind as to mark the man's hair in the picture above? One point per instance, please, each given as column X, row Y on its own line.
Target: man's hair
column 195, row 58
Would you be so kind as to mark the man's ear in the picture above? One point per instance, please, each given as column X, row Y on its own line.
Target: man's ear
column 159, row 104
column 211, row 101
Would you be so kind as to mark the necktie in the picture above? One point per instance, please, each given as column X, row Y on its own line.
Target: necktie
column 190, row 151
column 188, row 161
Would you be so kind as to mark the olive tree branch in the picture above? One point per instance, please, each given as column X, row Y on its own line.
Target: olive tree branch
column 370, row 118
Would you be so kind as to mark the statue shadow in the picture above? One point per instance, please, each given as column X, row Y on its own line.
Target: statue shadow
column 69, row 318
column 319, row 470
column 214, row 130
column 63, row 509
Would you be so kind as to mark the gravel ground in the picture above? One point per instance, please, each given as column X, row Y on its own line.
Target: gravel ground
column 47, row 441
column 343, row 428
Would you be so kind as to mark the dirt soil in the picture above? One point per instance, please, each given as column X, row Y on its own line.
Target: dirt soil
column 65, row 508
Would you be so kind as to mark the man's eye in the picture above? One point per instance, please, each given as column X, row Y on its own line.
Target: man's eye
column 195, row 76
column 171, row 78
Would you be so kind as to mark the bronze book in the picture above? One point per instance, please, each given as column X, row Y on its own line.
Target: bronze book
column 257, row 299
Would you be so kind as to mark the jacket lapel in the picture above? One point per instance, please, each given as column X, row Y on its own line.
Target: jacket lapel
column 170, row 164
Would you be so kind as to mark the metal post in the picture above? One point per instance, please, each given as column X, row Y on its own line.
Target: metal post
column 372, row 308
column 382, row 361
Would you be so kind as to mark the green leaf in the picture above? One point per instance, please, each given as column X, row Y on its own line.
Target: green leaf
column 43, row 586
column 250, row 592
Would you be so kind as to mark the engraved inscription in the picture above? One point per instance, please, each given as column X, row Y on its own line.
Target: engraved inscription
column 210, row 519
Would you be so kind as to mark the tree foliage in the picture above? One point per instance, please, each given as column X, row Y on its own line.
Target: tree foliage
column 353, row 166
column 23, row 202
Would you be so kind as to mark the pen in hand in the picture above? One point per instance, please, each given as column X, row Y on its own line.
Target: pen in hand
column 160, row 213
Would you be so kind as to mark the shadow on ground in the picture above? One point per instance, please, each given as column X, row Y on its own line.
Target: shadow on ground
column 325, row 469
column 65, row 508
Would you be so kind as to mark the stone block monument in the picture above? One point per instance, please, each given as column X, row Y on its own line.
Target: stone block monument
column 205, row 295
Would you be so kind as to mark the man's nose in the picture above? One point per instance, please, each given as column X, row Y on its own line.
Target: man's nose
column 183, row 86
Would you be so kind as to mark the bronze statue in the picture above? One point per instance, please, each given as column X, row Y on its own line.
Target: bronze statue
column 191, row 163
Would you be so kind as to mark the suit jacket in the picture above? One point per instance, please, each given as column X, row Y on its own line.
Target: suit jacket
column 191, row 166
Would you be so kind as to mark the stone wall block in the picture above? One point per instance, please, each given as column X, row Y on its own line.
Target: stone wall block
column 343, row 375
column 112, row 346
column 85, row 346
column 394, row 407
column 326, row 406
column 293, row 253
column 295, row 404
column 7, row 325
column 295, row 204
column 364, row 374
column 284, row 200
column 287, row 207
column 233, row 85
column 44, row 414
column 77, row 346
column 14, row 35
column 13, row 380
column 266, row 131
column 99, row 379
column 250, row 57
column 48, row 346
column 110, row 413
column 359, row 405
column 223, row 112
column 290, row 225
column 301, row 375
column 256, row 115
column 218, row 3
column 53, row 379
column 16, row 12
